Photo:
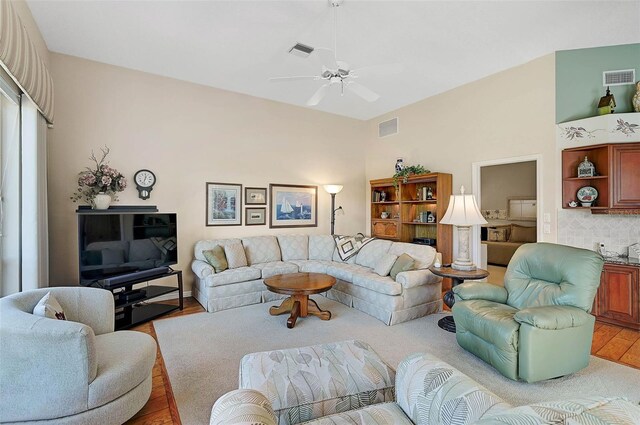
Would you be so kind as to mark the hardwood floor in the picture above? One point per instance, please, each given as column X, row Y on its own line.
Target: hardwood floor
column 609, row 342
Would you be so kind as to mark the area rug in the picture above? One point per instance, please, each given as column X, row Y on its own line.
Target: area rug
column 202, row 354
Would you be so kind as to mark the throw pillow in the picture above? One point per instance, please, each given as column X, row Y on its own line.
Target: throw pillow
column 216, row 258
column 523, row 234
column 49, row 307
column 497, row 235
column 403, row 263
column 348, row 246
column 385, row 263
column 235, row 255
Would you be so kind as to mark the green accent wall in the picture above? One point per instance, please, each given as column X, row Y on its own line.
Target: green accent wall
column 579, row 79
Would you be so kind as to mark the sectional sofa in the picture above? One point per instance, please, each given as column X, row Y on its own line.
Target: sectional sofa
column 410, row 295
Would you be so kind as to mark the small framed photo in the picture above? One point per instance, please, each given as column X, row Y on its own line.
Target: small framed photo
column 255, row 196
column 293, row 205
column 255, row 216
column 224, row 202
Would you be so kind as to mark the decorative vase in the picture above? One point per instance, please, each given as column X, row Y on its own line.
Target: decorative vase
column 636, row 98
column 399, row 165
column 101, row 201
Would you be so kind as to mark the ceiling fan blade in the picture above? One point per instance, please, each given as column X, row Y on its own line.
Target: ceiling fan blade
column 383, row 69
column 294, row 78
column 326, row 57
column 318, row 95
column 365, row 93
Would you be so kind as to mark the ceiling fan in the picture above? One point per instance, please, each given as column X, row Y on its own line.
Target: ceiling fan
column 334, row 71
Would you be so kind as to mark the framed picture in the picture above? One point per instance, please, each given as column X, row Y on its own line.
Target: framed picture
column 255, row 216
column 293, row 205
column 255, row 196
column 224, row 202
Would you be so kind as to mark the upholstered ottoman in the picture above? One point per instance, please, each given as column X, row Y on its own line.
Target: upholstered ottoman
column 311, row 382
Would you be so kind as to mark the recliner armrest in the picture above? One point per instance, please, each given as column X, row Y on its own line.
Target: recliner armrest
column 202, row 269
column 552, row 317
column 243, row 406
column 413, row 278
column 480, row 291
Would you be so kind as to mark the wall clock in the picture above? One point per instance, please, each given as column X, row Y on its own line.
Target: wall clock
column 145, row 179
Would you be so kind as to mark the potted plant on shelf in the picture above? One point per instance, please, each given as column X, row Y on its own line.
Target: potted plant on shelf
column 99, row 186
column 404, row 173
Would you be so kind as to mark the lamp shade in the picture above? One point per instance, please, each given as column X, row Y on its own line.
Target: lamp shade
column 333, row 188
column 462, row 211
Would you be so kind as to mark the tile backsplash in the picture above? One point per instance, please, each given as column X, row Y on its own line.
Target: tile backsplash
column 585, row 230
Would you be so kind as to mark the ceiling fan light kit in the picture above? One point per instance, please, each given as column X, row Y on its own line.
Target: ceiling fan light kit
column 335, row 71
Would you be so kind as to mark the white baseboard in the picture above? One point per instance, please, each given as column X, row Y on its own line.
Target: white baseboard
column 170, row 296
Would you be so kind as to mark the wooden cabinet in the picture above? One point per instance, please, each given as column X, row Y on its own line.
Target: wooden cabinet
column 401, row 213
column 617, row 178
column 618, row 298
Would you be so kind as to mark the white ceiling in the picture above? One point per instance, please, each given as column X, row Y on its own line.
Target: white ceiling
column 238, row 45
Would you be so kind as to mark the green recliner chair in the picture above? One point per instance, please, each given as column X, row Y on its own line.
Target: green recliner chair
column 538, row 326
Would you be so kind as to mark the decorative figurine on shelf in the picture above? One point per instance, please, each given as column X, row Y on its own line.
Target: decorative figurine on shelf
column 384, row 214
column 586, row 168
column 399, row 165
column 573, row 204
column 431, row 218
column 636, row 98
column 607, row 104
column 429, row 193
column 383, row 196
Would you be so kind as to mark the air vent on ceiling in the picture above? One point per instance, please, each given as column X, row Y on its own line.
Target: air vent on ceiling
column 301, row 50
column 619, row 78
column 388, row 128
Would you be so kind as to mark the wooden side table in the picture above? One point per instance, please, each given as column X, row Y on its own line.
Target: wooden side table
column 457, row 276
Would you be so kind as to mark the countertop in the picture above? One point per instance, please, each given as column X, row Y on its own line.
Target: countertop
column 623, row 261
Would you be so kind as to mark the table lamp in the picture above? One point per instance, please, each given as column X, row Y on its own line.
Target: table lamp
column 463, row 213
column 333, row 189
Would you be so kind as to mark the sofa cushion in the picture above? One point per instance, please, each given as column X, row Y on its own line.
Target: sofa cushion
column 346, row 271
column 275, row 267
column 217, row 258
column 205, row 245
column 371, row 253
column 261, row 249
column 404, row 263
column 119, row 373
column 241, row 274
column 336, row 258
column 321, row 247
column 294, row 247
column 374, row 282
column 383, row 268
column 235, row 255
column 423, row 255
column 311, row 266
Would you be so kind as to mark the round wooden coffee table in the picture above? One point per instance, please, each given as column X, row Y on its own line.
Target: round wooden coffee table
column 299, row 286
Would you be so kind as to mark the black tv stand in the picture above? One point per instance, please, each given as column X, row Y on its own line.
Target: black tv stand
column 131, row 308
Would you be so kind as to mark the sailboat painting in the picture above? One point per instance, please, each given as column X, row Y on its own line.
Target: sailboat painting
column 293, row 205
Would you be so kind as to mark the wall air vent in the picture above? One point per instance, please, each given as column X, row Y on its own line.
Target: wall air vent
column 388, row 128
column 301, row 50
column 619, row 78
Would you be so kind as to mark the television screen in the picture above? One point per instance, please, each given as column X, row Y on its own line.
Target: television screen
column 125, row 243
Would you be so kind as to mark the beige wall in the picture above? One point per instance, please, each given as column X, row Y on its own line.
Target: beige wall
column 190, row 134
column 508, row 114
column 502, row 181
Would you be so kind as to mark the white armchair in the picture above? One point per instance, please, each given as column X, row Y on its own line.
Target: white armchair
column 73, row 371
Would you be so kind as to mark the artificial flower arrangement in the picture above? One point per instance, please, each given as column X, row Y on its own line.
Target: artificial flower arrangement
column 102, row 179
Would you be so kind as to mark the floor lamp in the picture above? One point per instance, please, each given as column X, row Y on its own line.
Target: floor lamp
column 463, row 213
column 333, row 189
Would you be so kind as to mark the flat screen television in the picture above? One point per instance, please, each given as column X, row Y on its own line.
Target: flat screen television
column 118, row 244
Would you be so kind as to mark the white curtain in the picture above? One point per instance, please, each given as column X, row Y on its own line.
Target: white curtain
column 35, row 245
column 10, row 262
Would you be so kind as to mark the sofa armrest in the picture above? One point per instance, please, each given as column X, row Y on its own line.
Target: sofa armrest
column 480, row 291
column 424, row 377
column 415, row 278
column 243, row 407
column 93, row 307
column 552, row 317
column 202, row 269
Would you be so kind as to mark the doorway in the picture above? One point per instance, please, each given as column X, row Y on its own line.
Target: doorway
column 508, row 195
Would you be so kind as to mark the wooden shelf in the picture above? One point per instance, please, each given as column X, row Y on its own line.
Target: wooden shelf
column 425, row 201
column 586, row 178
column 386, row 202
column 385, row 220
column 415, row 223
